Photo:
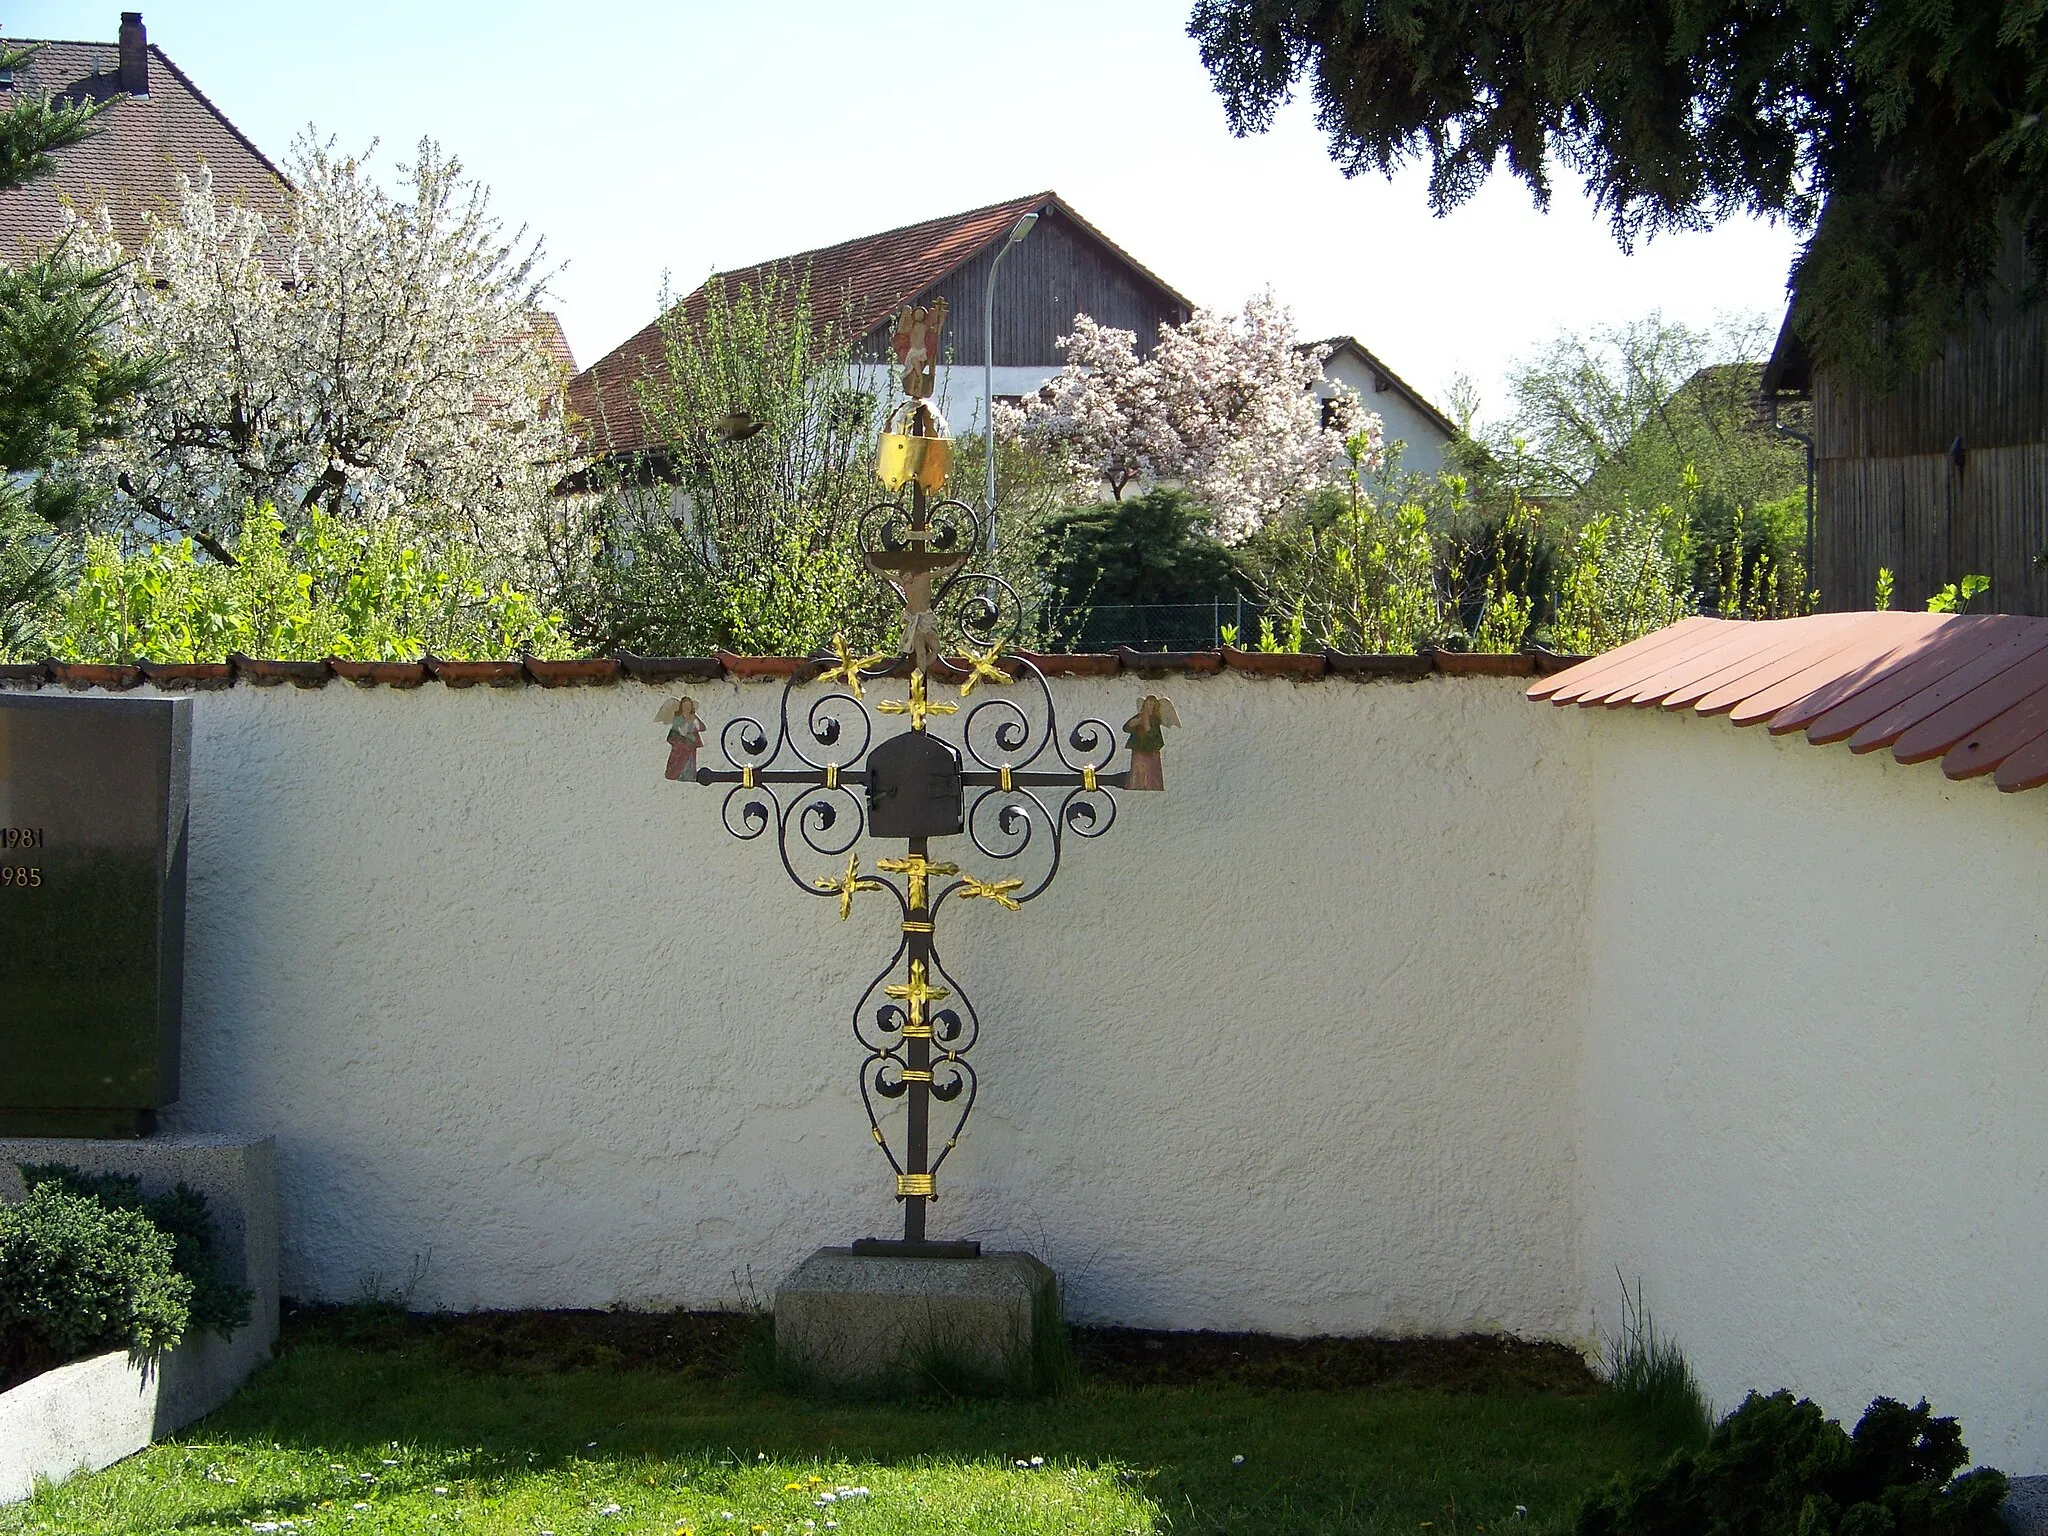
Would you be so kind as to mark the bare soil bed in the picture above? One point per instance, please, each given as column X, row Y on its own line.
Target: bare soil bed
column 717, row 1345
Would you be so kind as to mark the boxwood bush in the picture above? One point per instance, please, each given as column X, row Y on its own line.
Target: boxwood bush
column 218, row 1304
column 1778, row 1466
column 78, row 1277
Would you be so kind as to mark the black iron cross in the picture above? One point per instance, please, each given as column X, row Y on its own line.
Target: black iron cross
column 1014, row 784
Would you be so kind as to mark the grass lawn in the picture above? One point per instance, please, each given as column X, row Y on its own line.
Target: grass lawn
column 411, row 1428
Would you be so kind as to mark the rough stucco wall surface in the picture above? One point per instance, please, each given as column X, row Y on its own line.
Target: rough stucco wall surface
column 1292, row 1048
column 1815, row 1108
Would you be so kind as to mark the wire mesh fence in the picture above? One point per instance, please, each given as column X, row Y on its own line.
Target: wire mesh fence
column 1153, row 626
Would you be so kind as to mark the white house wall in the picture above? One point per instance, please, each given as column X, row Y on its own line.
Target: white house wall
column 1424, row 440
column 1815, row 1106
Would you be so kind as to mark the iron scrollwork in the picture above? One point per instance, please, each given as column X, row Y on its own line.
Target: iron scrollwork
column 1019, row 783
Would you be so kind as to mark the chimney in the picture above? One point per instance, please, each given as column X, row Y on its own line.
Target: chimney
column 134, row 77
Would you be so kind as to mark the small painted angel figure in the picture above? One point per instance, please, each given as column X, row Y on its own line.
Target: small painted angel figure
column 685, row 736
column 1146, row 733
column 916, row 344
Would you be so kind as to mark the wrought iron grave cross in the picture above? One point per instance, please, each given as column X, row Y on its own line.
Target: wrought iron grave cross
column 1015, row 786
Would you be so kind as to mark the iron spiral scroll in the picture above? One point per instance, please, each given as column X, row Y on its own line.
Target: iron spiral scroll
column 1003, row 774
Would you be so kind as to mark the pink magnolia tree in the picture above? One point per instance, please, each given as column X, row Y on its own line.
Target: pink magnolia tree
column 1225, row 405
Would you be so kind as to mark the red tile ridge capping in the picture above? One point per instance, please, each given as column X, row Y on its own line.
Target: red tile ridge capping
column 661, row 671
column 1971, row 690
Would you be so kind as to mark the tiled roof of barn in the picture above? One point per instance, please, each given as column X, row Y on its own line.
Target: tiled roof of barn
column 132, row 166
column 1968, row 689
column 858, row 283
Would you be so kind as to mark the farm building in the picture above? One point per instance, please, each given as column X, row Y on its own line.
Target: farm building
column 1944, row 477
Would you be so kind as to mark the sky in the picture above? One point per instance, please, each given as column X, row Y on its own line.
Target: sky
column 644, row 139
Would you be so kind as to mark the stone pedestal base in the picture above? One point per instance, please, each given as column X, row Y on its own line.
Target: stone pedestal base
column 847, row 1319
column 91, row 1413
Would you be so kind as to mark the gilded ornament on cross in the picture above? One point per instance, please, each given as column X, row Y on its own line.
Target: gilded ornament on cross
column 1009, row 779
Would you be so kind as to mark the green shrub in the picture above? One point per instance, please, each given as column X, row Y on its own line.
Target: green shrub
column 78, row 1277
column 218, row 1304
column 1777, row 1466
column 329, row 588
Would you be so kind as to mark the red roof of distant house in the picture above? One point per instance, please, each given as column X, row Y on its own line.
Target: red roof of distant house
column 132, row 166
column 1969, row 689
column 545, row 326
column 858, row 284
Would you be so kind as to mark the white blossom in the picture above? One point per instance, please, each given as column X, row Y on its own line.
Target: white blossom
column 1226, row 405
column 370, row 355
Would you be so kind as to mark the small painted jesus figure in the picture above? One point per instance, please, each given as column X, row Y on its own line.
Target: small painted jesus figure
column 685, row 736
column 1146, row 733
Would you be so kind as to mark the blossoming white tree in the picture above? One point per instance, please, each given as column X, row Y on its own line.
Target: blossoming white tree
column 1226, row 405
column 372, row 357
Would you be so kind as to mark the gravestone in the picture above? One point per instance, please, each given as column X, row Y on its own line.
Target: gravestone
column 92, row 912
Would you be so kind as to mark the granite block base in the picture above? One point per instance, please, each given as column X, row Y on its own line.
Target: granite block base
column 852, row 1320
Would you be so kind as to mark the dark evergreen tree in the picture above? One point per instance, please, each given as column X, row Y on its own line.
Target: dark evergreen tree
column 1908, row 141
column 1150, row 550
column 61, row 387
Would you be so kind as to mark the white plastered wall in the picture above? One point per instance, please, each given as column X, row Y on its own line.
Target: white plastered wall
column 1408, row 1007
column 1291, row 1048
column 1815, row 1106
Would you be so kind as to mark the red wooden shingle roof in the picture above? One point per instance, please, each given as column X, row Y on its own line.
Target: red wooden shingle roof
column 856, row 285
column 132, row 167
column 1969, row 689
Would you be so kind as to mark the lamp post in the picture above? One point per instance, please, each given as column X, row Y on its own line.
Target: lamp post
column 988, row 365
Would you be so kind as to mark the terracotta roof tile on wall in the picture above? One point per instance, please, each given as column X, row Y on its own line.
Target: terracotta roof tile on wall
column 663, row 671
column 1970, row 689
column 132, row 167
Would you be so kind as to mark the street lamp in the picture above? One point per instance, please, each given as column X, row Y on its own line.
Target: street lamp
column 988, row 366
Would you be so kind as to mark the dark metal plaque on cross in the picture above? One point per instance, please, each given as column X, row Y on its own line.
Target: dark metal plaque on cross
column 914, row 788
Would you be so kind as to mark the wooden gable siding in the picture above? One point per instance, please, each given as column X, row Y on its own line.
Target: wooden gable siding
column 1888, row 493
column 1058, row 271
